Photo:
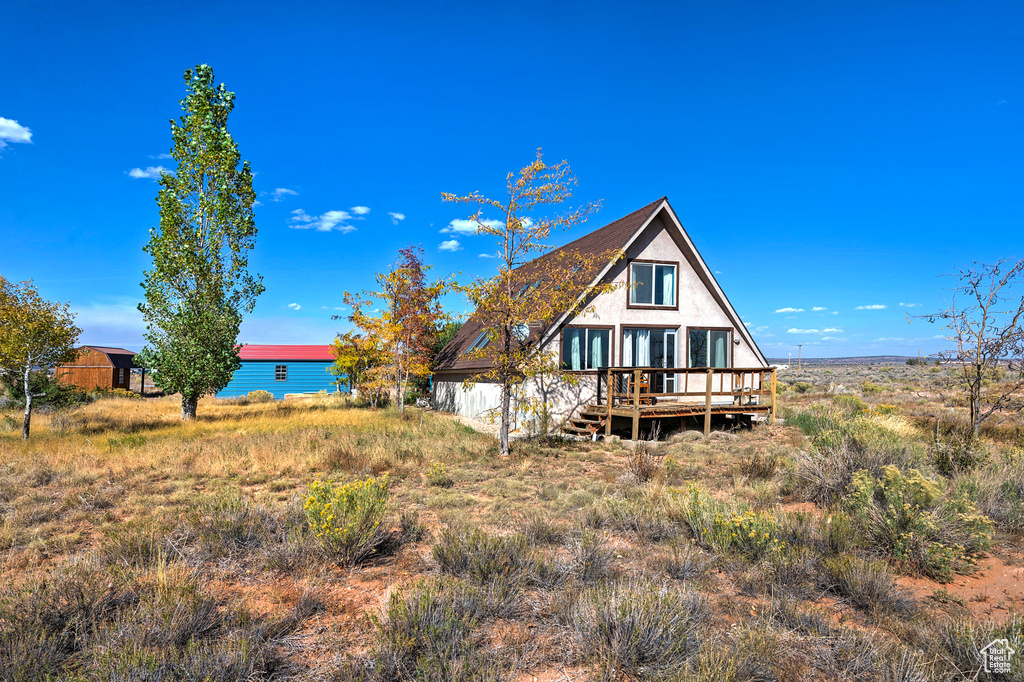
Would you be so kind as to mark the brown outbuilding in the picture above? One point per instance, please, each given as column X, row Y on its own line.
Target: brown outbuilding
column 99, row 367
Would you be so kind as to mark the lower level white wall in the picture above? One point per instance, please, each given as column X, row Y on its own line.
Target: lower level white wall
column 475, row 402
column 560, row 400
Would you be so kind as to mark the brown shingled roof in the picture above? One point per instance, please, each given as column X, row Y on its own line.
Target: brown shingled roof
column 612, row 237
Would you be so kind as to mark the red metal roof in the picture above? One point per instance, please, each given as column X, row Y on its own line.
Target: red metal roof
column 276, row 352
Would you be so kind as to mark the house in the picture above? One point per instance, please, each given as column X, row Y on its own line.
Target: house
column 665, row 345
column 99, row 367
column 280, row 370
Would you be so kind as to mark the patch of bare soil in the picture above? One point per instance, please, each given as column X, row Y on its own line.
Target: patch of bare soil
column 995, row 591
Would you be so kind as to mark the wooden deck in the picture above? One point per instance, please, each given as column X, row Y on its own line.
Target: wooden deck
column 744, row 392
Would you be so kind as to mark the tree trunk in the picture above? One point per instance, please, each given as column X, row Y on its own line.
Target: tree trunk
column 399, row 387
column 28, row 408
column 503, row 433
column 188, row 407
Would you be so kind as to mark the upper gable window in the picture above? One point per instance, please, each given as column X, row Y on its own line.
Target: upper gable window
column 652, row 284
column 480, row 343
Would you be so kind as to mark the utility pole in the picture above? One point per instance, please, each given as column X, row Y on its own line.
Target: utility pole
column 800, row 356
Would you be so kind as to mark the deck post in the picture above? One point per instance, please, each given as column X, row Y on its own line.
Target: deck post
column 636, row 404
column 773, row 396
column 707, row 404
column 609, row 395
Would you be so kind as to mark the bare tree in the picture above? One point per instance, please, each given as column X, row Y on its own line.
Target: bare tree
column 984, row 319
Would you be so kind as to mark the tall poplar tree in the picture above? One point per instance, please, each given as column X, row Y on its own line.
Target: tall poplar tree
column 199, row 285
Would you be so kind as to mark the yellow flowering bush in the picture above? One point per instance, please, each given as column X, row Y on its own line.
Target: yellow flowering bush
column 905, row 514
column 728, row 528
column 346, row 518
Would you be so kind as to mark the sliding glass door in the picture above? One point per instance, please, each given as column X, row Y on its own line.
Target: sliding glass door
column 651, row 348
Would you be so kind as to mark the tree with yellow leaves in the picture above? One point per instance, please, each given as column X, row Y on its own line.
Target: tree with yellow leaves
column 525, row 297
column 35, row 334
column 405, row 328
column 361, row 359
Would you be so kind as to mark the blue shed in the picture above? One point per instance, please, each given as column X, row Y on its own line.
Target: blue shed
column 282, row 369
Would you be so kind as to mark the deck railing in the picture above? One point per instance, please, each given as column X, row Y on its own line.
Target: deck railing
column 637, row 388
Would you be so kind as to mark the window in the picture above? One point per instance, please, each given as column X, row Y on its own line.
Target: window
column 280, row 372
column 584, row 348
column 120, row 376
column 480, row 343
column 709, row 347
column 652, row 284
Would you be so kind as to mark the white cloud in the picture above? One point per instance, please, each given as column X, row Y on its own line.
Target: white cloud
column 890, row 338
column 832, row 338
column 331, row 220
column 487, row 255
column 718, row 272
column 12, row 131
column 463, row 226
column 835, row 312
column 295, row 306
column 876, row 306
column 150, row 172
column 281, row 192
column 450, row 245
column 790, row 310
column 828, row 330
column 396, row 217
column 360, row 210
column 160, row 156
column 910, row 305
column 819, row 308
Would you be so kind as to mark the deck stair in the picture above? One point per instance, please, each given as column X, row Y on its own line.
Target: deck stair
column 587, row 424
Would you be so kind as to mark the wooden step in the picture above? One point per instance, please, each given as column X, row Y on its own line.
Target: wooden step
column 595, row 422
column 576, row 429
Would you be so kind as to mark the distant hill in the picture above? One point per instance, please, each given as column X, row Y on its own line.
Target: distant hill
column 860, row 360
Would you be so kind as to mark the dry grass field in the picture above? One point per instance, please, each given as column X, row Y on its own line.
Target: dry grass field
column 865, row 539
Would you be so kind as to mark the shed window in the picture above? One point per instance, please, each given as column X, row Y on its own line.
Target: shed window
column 280, row 372
column 120, row 376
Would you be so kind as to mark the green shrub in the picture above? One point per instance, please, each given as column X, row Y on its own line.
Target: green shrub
column 429, row 633
column 904, row 515
column 802, row 387
column 640, row 630
column 481, row 556
column 438, row 476
column 53, row 392
column 260, row 396
column 727, row 528
column 868, row 388
column 347, row 517
column 110, row 393
column 957, row 450
column 850, row 404
column 867, row 584
column 842, row 445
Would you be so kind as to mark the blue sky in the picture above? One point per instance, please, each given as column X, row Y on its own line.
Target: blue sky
column 830, row 160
